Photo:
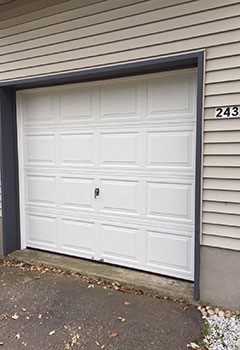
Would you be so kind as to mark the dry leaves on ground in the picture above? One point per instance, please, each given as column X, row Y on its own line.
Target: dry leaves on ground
column 15, row 316
column 113, row 335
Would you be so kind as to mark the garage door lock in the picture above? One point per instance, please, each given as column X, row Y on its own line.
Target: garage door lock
column 96, row 192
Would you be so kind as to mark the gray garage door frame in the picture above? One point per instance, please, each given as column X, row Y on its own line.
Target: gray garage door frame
column 8, row 135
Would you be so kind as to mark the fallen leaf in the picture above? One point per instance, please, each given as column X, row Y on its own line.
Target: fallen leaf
column 126, row 303
column 75, row 339
column 17, row 336
column 121, row 319
column 52, row 332
column 116, row 285
column 193, row 346
column 4, row 317
column 15, row 316
column 113, row 335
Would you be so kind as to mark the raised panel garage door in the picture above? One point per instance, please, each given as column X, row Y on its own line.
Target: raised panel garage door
column 107, row 171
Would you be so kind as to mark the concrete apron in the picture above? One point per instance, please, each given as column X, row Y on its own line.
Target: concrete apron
column 128, row 278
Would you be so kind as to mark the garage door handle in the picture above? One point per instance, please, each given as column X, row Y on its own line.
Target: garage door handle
column 96, row 192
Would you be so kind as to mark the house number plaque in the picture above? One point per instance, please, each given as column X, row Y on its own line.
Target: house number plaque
column 227, row 112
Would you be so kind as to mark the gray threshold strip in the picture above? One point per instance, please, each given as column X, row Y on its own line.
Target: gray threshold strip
column 147, row 282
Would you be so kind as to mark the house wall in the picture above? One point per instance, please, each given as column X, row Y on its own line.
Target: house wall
column 220, row 282
column 69, row 36
column 74, row 35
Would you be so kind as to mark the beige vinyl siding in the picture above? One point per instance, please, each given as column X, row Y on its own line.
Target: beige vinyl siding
column 73, row 35
column 221, row 242
column 21, row 11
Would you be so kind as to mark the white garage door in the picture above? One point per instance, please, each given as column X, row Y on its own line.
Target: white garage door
column 108, row 168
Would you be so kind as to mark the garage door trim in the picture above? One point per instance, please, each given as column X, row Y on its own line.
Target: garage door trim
column 9, row 156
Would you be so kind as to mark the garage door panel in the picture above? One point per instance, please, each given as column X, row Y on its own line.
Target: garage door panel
column 169, row 251
column 76, row 104
column 120, row 149
column 119, row 197
column 169, row 95
column 38, row 107
column 119, row 101
column 171, row 201
column 171, row 149
column 78, row 237
column 41, row 190
column 42, row 231
column 76, row 192
column 40, row 149
column 134, row 139
column 119, row 243
column 77, row 149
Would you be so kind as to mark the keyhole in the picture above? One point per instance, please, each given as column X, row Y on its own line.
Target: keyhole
column 96, row 192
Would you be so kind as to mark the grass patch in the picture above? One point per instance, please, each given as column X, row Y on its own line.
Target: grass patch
column 206, row 332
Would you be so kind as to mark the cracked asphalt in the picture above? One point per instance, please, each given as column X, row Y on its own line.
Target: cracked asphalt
column 46, row 311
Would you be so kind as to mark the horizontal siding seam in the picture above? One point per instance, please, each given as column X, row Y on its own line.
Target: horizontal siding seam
column 221, row 189
column 220, row 236
column 220, row 224
column 230, row 167
column 223, row 93
column 207, row 153
column 210, row 59
column 219, row 82
column 225, row 50
column 222, row 69
column 224, row 142
column 219, row 201
column 208, row 177
column 232, row 243
column 229, row 247
column 219, row 212
column 219, row 129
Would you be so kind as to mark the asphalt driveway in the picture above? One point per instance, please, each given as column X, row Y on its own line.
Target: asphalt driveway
column 42, row 310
